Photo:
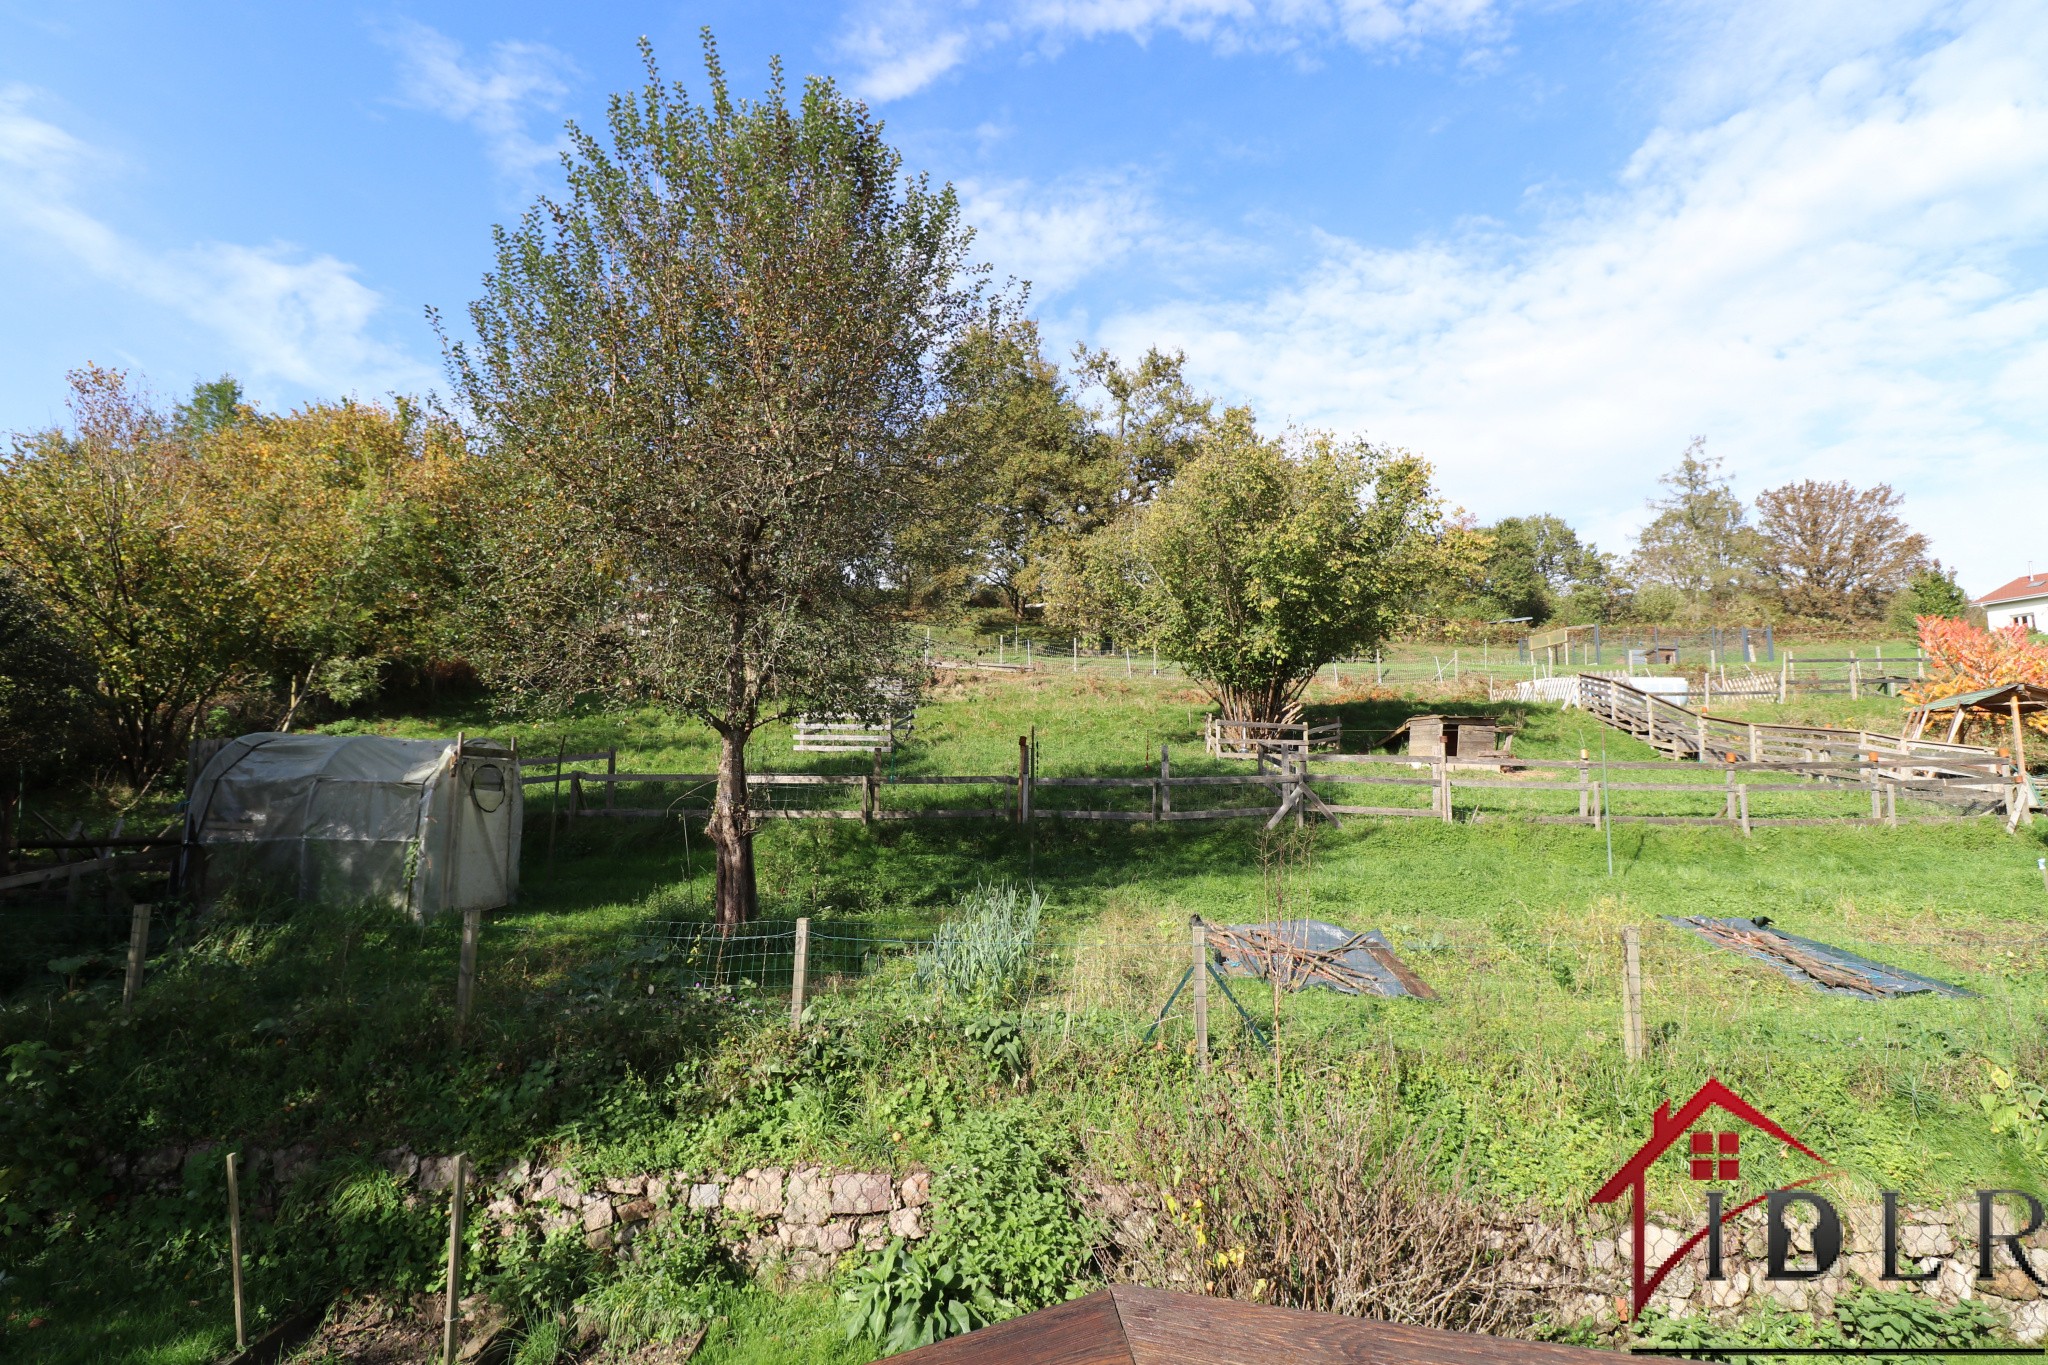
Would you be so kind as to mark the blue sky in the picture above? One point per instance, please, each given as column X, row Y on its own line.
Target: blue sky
column 1545, row 244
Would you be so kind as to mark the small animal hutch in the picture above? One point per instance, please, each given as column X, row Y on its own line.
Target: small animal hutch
column 1464, row 737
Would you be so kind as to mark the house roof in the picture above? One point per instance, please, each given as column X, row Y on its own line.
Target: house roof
column 1127, row 1325
column 2019, row 590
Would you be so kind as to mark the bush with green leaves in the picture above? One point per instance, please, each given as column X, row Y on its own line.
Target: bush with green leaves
column 1006, row 1239
column 1870, row 1319
column 984, row 952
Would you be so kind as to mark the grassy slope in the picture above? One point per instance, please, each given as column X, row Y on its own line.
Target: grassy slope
column 263, row 1038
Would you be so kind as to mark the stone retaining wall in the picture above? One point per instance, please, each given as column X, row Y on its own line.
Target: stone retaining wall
column 801, row 1219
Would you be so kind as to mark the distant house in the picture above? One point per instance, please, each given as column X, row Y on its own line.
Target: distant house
column 2024, row 600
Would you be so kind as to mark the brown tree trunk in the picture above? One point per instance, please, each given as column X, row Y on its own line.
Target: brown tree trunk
column 732, row 834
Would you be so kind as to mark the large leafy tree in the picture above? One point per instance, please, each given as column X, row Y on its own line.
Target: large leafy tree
column 109, row 527
column 1028, row 461
column 705, row 376
column 354, row 513
column 1265, row 559
column 1700, row 544
column 1835, row 551
column 1538, row 567
column 1931, row 591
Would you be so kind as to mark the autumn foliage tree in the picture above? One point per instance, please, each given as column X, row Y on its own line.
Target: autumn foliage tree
column 1962, row 658
column 1834, row 551
column 704, row 379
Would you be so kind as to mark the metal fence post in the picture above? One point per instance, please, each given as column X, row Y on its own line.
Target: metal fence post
column 1631, row 994
column 800, row 974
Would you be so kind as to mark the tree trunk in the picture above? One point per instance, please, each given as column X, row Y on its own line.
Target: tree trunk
column 731, row 831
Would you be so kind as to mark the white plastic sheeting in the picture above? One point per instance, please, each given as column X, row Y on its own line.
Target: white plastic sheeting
column 422, row 825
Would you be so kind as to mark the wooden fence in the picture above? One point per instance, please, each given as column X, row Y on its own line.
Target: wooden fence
column 1256, row 738
column 1332, row 786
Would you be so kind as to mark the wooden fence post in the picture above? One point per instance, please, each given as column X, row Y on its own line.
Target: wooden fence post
column 611, row 770
column 1023, row 777
column 1201, row 983
column 800, row 974
column 1728, row 801
column 555, row 810
column 575, row 794
column 1631, row 994
column 1785, row 678
column 1755, row 744
column 1742, row 808
column 1585, row 784
column 465, row 971
column 235, row 1248
column 1443, row 788
column 451, row 1316
column 1165, row 783
column 138, row 950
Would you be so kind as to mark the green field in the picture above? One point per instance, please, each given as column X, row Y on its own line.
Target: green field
column 264, row 1028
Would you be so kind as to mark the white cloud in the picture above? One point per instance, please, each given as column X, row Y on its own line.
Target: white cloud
column 1830, row 278
column 1057, row 236
column 901, row 46
column 284, row 314
column 495, row 96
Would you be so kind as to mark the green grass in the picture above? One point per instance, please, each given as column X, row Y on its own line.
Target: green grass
column 333, row 1028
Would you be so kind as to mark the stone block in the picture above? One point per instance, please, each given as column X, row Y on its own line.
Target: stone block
column 758, row 1192
column 598, row 1239
column 809, row 1267
column 658, row 1190
column 436, row 1173
column 632, row 1186
column 907, row 1224
column 704, row 1197
column 598, row 1213
column 560, row 1186
column 1925, row 1239
column 634, row 1210
column 2030, row 1323
column 837, row 1236
column 873, row 1233
column 916, row 1189
column 2010, row 1282
column 808, row 1200
column 862, row 1192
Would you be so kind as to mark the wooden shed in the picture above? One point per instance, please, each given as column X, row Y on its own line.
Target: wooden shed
column 1471, row 737
column 1126, row 1325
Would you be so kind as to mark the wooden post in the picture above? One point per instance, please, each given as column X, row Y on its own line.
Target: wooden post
column 555, row 810
column 1728, row 800
column 1031, row 777
column 1755, row 744
column 2019, row 743
column 1585, row 784
column 138, row 950
column 1742, row 808
column 1631, row 994
column 1023, row 775
column 1201, row 968
column 1855, row 676
column 465, row 972
column 575, row 793
column 1785, row 677
column 611, row 771
column 1127, row 661
column 1165, row 783
column 451, row 1317
column 800, row 974
column 1443, row 788
column 867, row 798
column 1077, row 653
column 235, row 1248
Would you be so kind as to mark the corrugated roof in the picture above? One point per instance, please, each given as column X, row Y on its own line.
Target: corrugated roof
column 2032, row 697
column 2019, row 590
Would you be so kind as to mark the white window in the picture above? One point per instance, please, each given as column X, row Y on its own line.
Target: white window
column 2024, row 618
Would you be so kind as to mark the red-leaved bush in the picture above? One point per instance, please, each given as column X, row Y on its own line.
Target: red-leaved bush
column 1962, row 658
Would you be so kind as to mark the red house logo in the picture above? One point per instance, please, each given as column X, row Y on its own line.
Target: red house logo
column 1713, row 1155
